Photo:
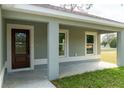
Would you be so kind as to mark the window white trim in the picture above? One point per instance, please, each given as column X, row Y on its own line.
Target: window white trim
column 66, row 41
column 9, row 51
column 95, row 43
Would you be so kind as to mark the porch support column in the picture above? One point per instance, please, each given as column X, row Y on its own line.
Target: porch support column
column 53, row 52
column 120, row 48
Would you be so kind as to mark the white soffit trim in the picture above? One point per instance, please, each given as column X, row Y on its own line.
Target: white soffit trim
column 59, row 14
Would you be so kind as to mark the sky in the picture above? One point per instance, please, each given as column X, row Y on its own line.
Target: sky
column 111, row 11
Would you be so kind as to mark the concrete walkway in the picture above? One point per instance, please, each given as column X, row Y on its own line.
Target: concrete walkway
column 38, row 77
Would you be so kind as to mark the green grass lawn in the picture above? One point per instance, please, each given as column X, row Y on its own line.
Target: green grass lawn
column 108, row 78
column 109, row 56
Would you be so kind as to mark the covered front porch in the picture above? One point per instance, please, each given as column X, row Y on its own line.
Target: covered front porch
column 69, row 45
column 38, row 78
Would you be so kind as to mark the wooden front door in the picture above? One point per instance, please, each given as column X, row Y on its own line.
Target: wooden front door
column 20, row 48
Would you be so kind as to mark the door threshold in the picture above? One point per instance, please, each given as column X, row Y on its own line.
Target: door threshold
column 21, row 69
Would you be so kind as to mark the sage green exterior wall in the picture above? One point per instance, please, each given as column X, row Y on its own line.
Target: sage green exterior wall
column 4, row 49
column 2, row 43
column 76, row 43
column 76, row 38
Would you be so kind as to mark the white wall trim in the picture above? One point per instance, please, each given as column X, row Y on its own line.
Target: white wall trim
column 2, row 73
column 18, row 26
column 95, row 42
column 67, row 59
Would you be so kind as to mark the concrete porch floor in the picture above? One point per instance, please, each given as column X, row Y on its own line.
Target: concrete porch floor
column 72, row 68
column 38, row 78
column 28, row 79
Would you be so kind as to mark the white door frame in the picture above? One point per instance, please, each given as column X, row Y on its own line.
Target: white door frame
column 95, row 43
column 66, row 42
column 9, row 49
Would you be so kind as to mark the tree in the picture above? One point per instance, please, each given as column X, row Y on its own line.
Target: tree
column 109, row 39
column 113, row 43
column 73, row 7
column 104, row 43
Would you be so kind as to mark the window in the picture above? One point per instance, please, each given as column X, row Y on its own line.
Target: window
column 63, row 43
column 90, row 43
column 20, row 46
